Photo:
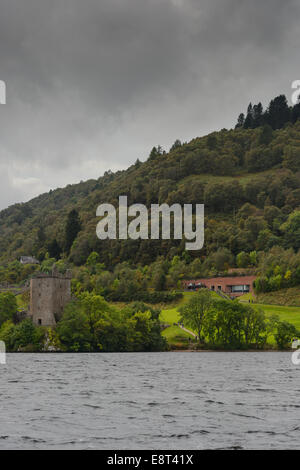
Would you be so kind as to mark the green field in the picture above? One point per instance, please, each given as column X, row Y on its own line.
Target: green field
column 176, row 335
column 247, row 297
column 171, row 315
column 290, row 314
column 286, row 313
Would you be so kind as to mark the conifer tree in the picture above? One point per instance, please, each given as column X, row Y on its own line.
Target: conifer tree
column 73, row 227
column 249, row 118
column 240, row 121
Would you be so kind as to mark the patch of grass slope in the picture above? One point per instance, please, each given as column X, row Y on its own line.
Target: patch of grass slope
column 176, row 335
column 289, row 297
column 173, row 333
column 290, row 314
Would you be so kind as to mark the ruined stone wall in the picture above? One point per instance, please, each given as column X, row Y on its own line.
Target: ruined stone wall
column 61, row 295
column 48, row 298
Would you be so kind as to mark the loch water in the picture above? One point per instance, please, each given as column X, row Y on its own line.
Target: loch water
column 172, row 400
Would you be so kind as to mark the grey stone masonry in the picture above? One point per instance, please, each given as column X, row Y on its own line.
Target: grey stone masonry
column 49, row 294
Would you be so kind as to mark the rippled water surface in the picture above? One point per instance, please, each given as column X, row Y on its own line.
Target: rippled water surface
column 150, row 401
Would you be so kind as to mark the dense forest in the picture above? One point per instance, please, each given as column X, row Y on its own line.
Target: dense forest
column 248, row 178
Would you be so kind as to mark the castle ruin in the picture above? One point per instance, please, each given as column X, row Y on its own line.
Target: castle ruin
column 49, row 294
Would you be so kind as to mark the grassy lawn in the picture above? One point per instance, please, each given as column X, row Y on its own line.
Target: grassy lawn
column 171, row 315
column 290, row 314
column 286, row 313
column 176, row 335
column 172, row 332
column 247, row 297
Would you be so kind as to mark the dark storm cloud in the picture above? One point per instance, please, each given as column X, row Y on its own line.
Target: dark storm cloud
column 92, row 85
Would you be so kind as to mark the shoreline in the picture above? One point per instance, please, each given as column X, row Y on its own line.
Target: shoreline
column 156, row 352
column 232, row 350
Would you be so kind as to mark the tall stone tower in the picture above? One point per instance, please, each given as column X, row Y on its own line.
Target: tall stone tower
column 49, row 294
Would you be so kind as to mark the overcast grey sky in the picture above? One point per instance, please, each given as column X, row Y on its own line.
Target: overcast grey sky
column 92, row 85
